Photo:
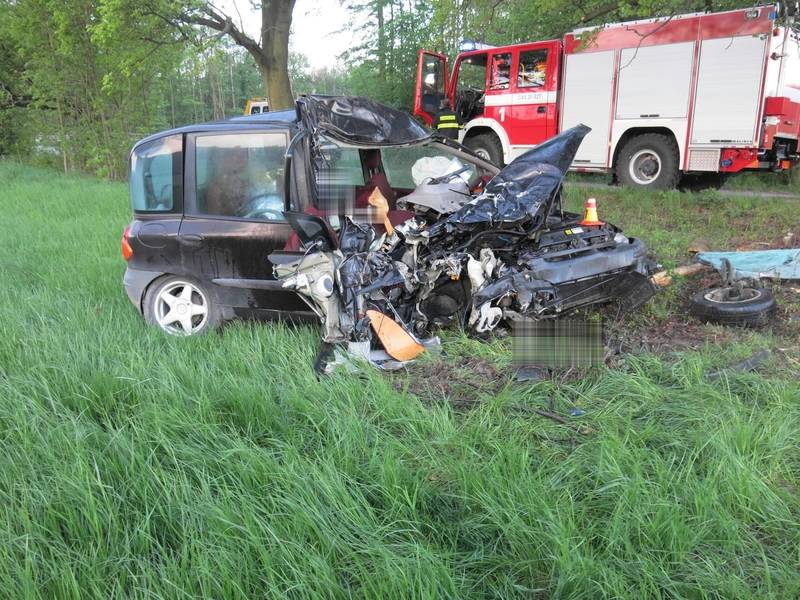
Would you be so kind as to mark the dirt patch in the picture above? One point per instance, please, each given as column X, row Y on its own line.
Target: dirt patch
column 780, row 241
column 773, row 234
column 673, row 334
column 680, row 331
column 787, row 319
column 462, row 385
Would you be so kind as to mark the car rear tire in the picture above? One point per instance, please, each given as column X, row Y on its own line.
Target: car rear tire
column 745, row 307
column 181, row 306
column 649, row 161
column 487, row 146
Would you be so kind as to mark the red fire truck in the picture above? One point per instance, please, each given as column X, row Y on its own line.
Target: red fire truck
column 702, row 92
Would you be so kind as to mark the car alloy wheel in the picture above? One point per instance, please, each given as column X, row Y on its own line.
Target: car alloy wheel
column 181, row 308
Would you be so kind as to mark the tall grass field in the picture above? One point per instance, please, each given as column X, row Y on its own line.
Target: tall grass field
column 138, row 465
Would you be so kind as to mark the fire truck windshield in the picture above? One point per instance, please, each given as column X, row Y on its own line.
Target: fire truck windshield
column 472, row 73
column 470, row 86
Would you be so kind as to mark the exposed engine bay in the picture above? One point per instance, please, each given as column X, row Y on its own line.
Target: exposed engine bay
column 480, row 253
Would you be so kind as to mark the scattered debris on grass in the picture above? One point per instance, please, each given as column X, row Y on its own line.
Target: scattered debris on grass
column 531, row 373
column 664, row 278
column 463, row 386
column 698, row 246
column 752, row 363
column 581, row 429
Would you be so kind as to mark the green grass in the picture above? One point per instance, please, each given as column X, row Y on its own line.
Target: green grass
column 138, row 465
column 670, row 221
column 783, row 182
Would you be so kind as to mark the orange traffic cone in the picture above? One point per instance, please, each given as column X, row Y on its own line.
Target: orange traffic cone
column 590, row 213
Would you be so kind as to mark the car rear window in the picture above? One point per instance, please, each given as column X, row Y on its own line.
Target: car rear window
column 156, row 175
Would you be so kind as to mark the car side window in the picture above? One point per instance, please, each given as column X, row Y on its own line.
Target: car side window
column 156, row 175
column 240, row 175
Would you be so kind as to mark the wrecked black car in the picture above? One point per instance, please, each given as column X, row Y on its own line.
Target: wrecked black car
column 354, row 212
column 209, row 202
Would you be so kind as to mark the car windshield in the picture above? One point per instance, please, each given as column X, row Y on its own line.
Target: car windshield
column 410, row 166
column 405, row 167
column 346, row 175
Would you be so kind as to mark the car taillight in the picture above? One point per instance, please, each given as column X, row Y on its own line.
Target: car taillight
column 127, row 251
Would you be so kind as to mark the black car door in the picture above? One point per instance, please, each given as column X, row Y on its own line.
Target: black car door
column 233, row 216
column 156, row 186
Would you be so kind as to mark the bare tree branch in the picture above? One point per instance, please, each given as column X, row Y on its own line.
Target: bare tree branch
column 643, row 37
column 601, row 11
column 217, row 21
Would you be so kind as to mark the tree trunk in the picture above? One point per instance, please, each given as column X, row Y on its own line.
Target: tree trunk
column 234, row 108
column 62, row 134
column 212, row 80
column 381, row 45
column 277, row 87
column 172, row 101
column 273, row 59
column 271, row 53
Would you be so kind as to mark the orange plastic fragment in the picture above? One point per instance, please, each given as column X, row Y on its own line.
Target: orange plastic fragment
column 397, row 341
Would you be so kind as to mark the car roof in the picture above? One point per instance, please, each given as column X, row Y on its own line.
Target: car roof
column 242, row 122
column 279, row 116
column 346, row 119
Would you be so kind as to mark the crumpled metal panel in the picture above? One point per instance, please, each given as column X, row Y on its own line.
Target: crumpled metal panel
column 360, row 121
column 506, row 255
column 525, row 187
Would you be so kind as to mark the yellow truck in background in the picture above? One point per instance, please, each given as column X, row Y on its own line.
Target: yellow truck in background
column 256, row 106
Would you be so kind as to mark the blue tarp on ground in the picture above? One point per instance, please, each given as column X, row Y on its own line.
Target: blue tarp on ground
column 774, row 264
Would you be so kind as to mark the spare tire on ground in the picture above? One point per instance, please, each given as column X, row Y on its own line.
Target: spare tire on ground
column 734, row 305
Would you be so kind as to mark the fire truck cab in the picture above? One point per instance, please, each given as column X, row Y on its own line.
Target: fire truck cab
column 701, row 92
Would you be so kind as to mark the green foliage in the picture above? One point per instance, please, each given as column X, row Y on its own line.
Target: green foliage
column 80, row 82
column 308, row 80
column 384, row 65
column 89, row 89
column 14, row 91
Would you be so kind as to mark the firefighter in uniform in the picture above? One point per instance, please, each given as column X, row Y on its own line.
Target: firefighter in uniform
column 446, row 121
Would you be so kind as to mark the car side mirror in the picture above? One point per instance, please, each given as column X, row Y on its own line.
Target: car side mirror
column 312, row 231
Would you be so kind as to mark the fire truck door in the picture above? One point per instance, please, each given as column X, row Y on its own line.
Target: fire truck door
column 431, row 84
column 497, row 99
column 533, row 112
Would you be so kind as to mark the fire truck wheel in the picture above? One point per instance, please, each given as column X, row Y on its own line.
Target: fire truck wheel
column 486, row 145
column 649, row 161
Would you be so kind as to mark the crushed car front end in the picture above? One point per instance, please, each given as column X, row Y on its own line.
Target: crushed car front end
column 467, row 244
